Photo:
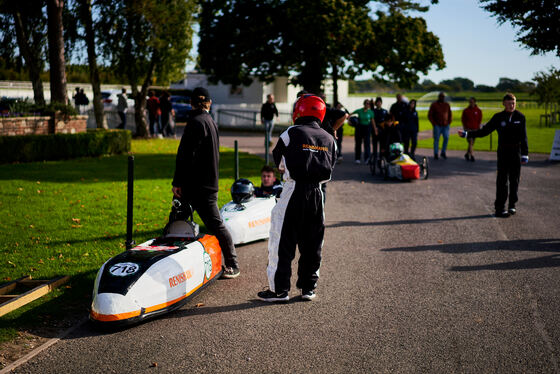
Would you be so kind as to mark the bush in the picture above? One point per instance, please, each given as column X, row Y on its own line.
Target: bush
column 25, row 108
column 27, row 148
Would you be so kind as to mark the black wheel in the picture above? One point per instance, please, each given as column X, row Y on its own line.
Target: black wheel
column 424, row 168
column 372, row 163
column 383, row 168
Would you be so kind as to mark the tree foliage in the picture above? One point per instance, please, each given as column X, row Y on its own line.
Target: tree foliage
column 309, row 40
column 537, row 20
column 547, row 89
column 146, row 42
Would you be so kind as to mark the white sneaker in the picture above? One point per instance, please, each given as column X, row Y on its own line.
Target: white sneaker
column 357, row 162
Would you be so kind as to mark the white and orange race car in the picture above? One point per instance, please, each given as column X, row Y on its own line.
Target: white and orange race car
column 156, row 276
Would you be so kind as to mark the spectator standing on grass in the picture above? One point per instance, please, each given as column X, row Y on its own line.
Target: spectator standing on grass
column 196, row 174
column 122, row 106
column 471, row 119
column 154, row 112
column 362, row 131
column 440, row 116
column 513, row 150
column 410, row 129
column 268, row 111
column 166, row 118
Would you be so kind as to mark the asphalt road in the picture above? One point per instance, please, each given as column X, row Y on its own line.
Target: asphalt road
column 416, row 277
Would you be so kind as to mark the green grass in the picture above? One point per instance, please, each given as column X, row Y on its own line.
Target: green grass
column 68, row 217
column 540, row 138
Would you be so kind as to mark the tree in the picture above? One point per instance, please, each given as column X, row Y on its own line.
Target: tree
column 547, row 89
column 25, row 19
column 312, row 39
column 537, row 20
column 143, row 40
column 81, row 28
column 57, row 61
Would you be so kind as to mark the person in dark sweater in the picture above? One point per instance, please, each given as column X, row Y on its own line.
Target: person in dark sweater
column 268, row 111
column 410, row 129
column 196, row 174
column 513, row 150
column 270, row 185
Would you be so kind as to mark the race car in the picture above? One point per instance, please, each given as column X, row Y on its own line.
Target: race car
column 157, row 276
column 399, row 165
column 247, row 217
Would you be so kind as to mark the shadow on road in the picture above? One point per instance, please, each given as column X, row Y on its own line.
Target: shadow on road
column 534, row 245
column 405, row 221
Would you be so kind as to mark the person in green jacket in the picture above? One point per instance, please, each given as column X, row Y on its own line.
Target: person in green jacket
column 363, row 131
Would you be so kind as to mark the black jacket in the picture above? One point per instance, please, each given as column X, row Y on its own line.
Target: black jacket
column 198, row 157
column 268, row 111
column 512, row 133
column 308, row 152
column 275, row 189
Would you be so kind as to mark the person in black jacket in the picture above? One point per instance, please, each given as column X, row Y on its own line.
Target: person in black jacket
column 196, row 174
column 513, row 151
column 410, row 129
column 270, row 185
column 307, row 154
column 268, row 111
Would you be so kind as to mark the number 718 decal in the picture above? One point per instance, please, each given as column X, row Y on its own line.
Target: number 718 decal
column 122, row 269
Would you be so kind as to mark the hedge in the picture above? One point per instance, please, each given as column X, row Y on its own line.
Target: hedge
column 28, row 148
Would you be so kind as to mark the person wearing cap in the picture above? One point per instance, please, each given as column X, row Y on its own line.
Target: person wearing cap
column 513, row 150
column 196, row 174
column 307, row 154
column 440, row 116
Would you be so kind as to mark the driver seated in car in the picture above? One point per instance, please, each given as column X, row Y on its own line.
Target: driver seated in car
column 270, row 185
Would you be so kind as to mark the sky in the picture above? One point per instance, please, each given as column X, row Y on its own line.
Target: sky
column 474, row 46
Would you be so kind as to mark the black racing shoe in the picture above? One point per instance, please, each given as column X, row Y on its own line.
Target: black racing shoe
column 230, row 273
column 308, row 295
column 467, row 157
column 443, row 155
column 273, row 297
column 472, row 158
column 436, row 157
column 512, row 211
column 502, row 213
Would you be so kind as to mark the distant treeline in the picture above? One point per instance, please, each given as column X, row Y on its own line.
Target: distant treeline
column 448, row 85
column 74, row 73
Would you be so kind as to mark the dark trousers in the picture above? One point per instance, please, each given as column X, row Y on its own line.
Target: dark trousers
column 154, row 124
column 303, row 226
column 339, row 135
column 206, row 205
column 509, row 170
column 410, row 139
column 362, row 134
column 122, row 125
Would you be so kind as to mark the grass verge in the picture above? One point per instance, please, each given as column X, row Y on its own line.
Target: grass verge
column 68, row 217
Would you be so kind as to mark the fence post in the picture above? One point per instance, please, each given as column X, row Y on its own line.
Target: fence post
column 490, row 141
column 236, row 160
column 129, row 207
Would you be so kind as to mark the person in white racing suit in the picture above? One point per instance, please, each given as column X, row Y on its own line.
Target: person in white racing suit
column 307, row 154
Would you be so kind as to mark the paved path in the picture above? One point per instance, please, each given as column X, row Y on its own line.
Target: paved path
column 416, row 277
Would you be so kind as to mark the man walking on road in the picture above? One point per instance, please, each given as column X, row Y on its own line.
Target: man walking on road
column 471, row 118
column 268, row 111
column 307, row 154
column 196, row 174
column 440, row 116
column 513, row 151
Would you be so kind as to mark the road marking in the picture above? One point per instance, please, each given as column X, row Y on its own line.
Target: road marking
column 41, row 348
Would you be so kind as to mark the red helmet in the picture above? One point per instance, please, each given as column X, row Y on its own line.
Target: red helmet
column 310, row 106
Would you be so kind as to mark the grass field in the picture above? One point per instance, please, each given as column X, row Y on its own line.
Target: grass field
column 540, row 137
column 68, row 217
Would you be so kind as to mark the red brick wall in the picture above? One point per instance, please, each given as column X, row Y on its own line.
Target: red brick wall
column 11, row 126
column 67, row 125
